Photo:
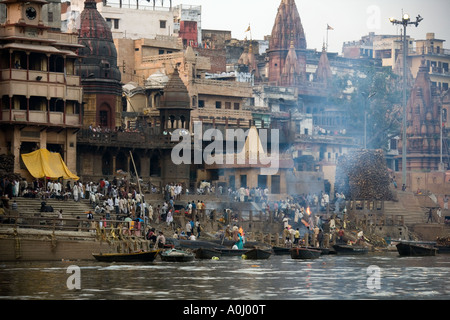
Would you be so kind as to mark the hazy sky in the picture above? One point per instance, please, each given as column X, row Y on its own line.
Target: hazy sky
column 350, row 19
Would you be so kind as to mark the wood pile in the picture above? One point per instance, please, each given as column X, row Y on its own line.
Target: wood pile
column 443, row 241
column 6, row 163
column 363, row 175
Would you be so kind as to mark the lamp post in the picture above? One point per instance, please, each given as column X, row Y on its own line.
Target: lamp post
column 441, row 124
column 405, row 22
column 366, row 98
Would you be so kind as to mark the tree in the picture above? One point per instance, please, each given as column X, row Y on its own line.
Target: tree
column 376, row 93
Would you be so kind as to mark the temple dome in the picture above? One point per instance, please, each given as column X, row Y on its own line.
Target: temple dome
column 99, row 53
column 157, row 79
column 176, row 95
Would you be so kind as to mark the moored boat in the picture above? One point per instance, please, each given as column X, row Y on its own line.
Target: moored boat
column 305, row 253
column 281, row 251
column 207, row 253
column 175, row 255
column 443, row 249
column 142, row 256
column 257, row 253
column 348, row 249
column 324, row 251
column 232, row 252
column 415, row 249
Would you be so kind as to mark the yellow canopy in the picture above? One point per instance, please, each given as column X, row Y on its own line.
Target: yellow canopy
column 43, row 163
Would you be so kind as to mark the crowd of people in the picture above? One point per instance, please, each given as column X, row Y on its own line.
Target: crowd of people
column 118, row 200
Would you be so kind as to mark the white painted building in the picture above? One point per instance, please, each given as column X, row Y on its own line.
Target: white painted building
column 134, row 19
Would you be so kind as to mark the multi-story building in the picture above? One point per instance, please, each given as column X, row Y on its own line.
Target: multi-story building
column 41, row 95
column 437, row 60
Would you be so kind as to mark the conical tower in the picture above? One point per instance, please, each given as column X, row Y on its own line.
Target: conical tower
column 175, row 106
column 287, row 30
column 423, row 124
column 292, row 73
column 323, row 72
column 100, row 76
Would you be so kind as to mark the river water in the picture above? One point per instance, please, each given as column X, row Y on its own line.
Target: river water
column 372, row 276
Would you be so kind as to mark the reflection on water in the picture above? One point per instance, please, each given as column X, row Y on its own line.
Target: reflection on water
column 279, row 277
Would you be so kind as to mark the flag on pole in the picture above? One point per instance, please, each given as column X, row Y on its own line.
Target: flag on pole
column 248, row 29
column 329, row 28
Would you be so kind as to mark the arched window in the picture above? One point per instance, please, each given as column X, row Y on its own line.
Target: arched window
column 155, row 165
column 104, row 116
column 107, row 164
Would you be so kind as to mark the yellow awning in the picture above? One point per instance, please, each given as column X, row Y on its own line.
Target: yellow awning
column 43, row 163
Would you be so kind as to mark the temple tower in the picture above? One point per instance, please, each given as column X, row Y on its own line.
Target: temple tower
column 100, row 76
column 423, row 124
column 287, row 31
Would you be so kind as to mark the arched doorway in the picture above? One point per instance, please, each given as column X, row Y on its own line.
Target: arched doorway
column 105, row 116
column 155, row 165
column 107, row 164
column 122, row 162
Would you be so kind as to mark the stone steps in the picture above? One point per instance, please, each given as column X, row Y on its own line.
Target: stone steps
column 71, row 209
column 409, row 206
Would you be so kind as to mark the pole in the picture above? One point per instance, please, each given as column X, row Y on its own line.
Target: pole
column 405, row 43
column 441, row 124
column 365, row 123
column 137, row 176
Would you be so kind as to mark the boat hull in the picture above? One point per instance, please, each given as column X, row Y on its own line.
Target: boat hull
column 176, row 256
column 207, row 253
column 145, row 256
column 305, row 253
column 279, row 251
column 232, row 252
column 411, row 249
column 443, row 249
column 351, row 250
column 257, row 254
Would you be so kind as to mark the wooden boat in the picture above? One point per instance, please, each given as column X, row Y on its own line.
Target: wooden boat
column 175, row 255
column 281, row 251
column 257, row 253
column 143, row 256
column 305, row 253
column 348, row 249
column 443, row 249
column 415, row 249
column 232, row 252
column 324, row 251
column 207, row 253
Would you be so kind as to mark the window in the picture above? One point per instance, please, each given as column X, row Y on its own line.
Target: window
column 227, row 105
column 162, row 24
column 393, row 144
column 276, row 184
column 236, row 106
column 218, row 104
column 161, row 51
column 243, row 180
column 201, row 103
column 112, row 23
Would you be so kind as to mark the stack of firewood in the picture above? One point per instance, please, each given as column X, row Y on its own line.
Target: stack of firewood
column 363, row 175
column 6, row 163
column 443, row 241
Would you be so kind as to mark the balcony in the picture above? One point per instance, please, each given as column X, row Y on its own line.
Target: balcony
column 147, row 138
column 439, row 71
column 54, row 119
column 40, row 83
